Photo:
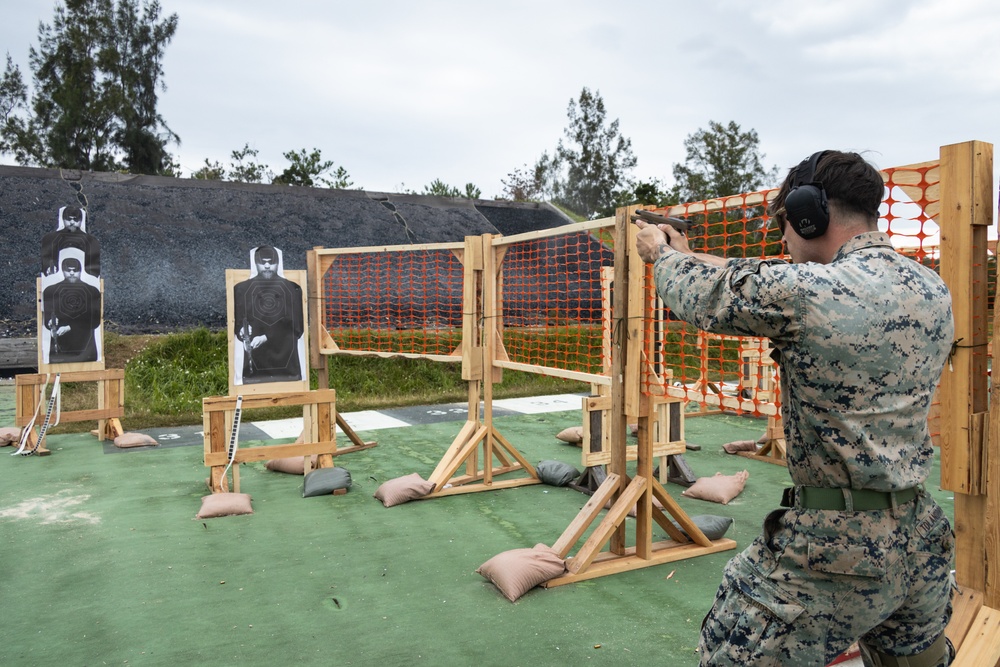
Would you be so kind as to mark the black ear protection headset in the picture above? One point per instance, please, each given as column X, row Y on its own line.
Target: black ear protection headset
column 806, row 207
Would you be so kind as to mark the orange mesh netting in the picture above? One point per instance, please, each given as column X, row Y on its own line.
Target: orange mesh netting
column 736, row 372
column 402, row 302
column 550, row 301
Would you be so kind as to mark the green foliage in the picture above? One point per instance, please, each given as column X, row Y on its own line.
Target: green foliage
column 212, row 171
column 171, row 376
column 244, row 168
column 13, row 99
column 439, row 188
column 641, row 193
column 310, row 169
column 592, row 161
column 167, row 380
column 722, row 160
column 96, row 73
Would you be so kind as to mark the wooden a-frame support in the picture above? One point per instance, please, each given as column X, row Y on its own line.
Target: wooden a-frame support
column 623, row 491
column 479, row 452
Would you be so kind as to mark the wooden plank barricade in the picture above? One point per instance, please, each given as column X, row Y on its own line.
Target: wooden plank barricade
column 108, row 413
column 319, row 417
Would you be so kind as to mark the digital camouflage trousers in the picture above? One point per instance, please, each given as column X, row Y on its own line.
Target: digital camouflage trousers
column 816, row 581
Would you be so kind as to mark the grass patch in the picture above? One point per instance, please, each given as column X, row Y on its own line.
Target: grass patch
column 167, row 376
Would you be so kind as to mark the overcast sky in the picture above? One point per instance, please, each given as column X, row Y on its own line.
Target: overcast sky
column 401, row 92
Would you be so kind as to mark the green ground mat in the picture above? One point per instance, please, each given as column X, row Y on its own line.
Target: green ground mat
column 103, row 562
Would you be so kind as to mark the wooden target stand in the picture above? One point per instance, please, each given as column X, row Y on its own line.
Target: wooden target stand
column 320, row 418
column 625, row 492
column 480, row 453
column 318, row 433
column 110, row 389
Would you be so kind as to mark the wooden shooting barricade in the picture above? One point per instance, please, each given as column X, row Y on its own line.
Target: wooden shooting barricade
column 957, row 191
column 108, row 413
column 319, row 418
column 633, row 387
column 458, row 283
column 667, row 424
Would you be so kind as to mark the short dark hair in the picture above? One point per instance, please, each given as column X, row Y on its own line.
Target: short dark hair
column 852, row 184
column 72, row 262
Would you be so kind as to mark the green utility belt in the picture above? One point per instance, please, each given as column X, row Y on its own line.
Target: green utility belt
column 851, row 500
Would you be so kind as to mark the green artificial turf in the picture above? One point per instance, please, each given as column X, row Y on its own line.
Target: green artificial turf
column 103, row 562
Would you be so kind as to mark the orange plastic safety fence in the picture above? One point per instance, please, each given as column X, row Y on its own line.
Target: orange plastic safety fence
column 401, row 302
column 736, row 373
column 550, row 301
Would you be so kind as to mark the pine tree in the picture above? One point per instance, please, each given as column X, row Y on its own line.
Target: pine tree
column 594, row 161
column 96, row 73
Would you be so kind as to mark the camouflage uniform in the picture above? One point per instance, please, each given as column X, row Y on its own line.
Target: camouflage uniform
column 861, row 343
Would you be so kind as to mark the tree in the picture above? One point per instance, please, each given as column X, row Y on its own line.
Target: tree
column 96, row 74
column 722, row 160
column 243, row 169
column 212, row 171
column 13, row 98
column 527, row 184
column 593, row 162
column 310, row 169
column 641, row 193
column 439, row 188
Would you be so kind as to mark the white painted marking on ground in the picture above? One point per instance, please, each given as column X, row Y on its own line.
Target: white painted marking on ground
column 371, row 420
column 57, row 508
column 537, row 405
column 363, row 420
column 281, row 428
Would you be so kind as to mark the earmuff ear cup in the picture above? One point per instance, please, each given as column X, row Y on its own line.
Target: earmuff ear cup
column 808, row 211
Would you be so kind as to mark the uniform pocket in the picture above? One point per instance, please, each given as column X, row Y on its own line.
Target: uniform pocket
column 846, row 558
column 748, row 623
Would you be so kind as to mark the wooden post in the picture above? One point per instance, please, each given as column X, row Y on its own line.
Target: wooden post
column 619, row 360
column 966, row 215
column 314, row 295
column 480, row 348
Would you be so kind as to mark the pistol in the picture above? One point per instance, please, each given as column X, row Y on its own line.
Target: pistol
column 246, row 334
column 53, row 327
column 656, row 219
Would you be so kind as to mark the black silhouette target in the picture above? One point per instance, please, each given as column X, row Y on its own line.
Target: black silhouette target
column 74, row 301
column 268, row 323
column 71, row 312
column 268, row 302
